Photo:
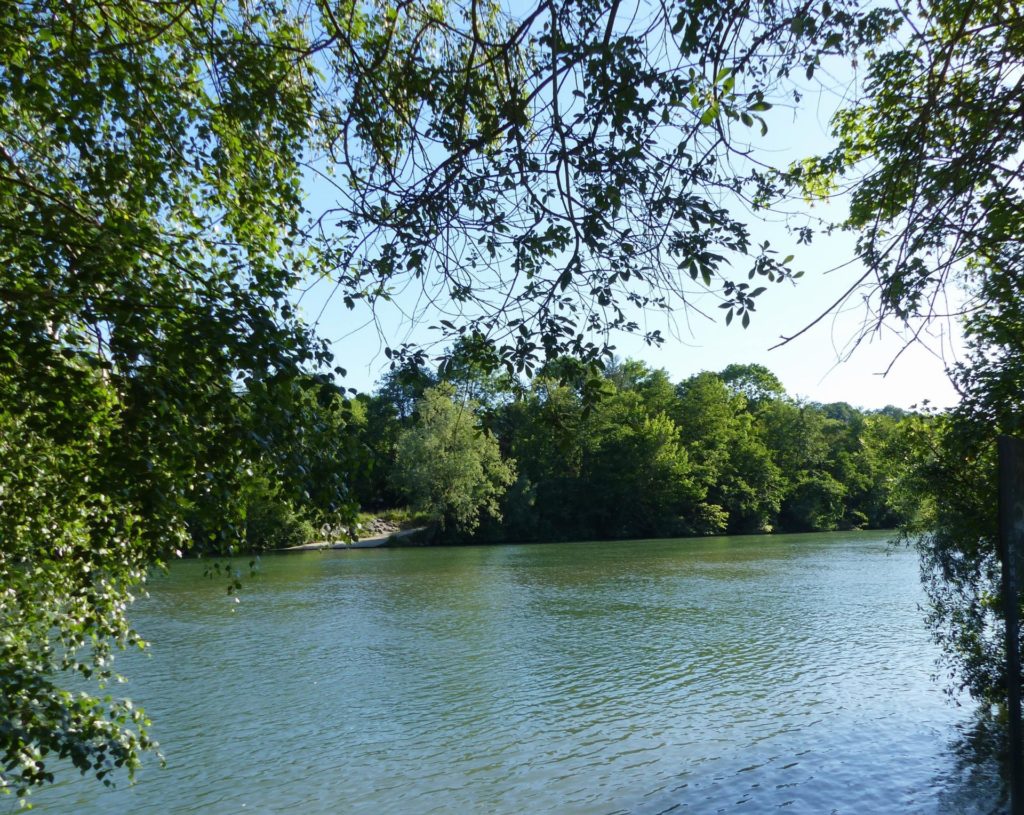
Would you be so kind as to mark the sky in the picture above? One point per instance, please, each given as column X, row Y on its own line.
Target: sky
column 823, row 364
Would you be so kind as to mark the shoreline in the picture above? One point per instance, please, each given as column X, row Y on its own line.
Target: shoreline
column 370, row 542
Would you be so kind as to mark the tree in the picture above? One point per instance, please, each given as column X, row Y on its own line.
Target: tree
column 932, row 161
column 940, row 205
column 602, row 458
column 472, row 368
column 932, row 155
column 149, row 217
column 635, row 477
column 735, row 464
column 654, row 387
column 953, row 479
column 313, row 458
column 544, row 431
column 955, row 472
column 448, row 466
column 403, row 387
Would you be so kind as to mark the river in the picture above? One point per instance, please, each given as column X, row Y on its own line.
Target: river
column 755, row 674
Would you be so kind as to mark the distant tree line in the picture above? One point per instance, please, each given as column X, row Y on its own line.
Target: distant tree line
column 623, row 452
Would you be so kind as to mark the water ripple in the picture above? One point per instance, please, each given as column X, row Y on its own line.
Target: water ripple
column 724, row 675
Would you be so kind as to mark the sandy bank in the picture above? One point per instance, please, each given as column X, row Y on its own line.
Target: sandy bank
column 370, row 542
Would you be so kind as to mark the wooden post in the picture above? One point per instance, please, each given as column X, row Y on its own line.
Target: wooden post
column 1011, row 551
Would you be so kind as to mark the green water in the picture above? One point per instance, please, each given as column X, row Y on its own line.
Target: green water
column 719, row 675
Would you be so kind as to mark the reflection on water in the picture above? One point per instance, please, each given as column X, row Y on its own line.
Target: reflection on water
column 974, row 779
column 718, row 675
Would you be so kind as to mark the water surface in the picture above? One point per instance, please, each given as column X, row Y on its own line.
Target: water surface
column 756, row 674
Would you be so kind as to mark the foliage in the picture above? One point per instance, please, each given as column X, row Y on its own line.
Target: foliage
column 935, row 157
column 626, row 454
column 403, row 386
column 635, row 476
column 932, row 162
column 69, row 560
column 742, row 479
column 149, row 211
column 272, row 521
column 955, row 472
column 755, row 382
column 954, row 477
column 448, row 466
column 815, row 502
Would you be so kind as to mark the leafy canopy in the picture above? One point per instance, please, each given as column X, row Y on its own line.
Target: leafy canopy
column 930, row 158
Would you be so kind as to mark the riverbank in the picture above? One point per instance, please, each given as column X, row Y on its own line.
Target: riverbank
column 401, row 537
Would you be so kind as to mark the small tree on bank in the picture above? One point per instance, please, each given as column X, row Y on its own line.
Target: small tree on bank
column 448, row 466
